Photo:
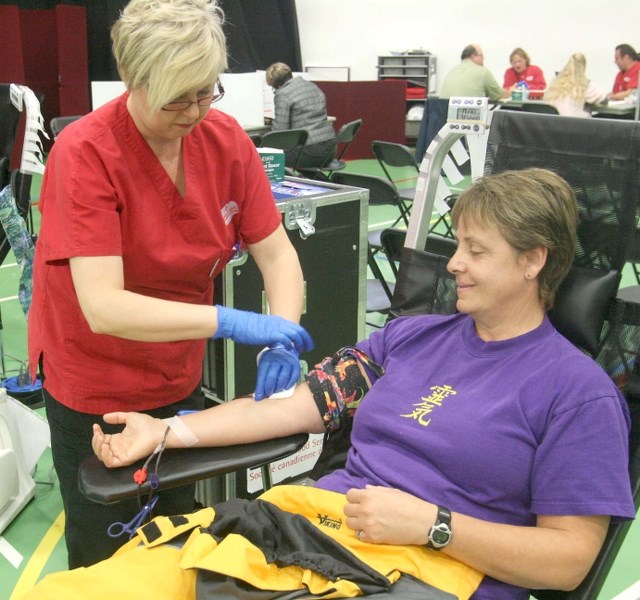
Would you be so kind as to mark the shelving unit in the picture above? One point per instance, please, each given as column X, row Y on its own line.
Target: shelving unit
column 419, row 70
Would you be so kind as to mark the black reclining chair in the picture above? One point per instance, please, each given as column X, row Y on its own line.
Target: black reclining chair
column 434, row 292
column 604, row 169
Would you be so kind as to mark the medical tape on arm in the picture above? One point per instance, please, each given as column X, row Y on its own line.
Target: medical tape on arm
column 182, row 431
column 339, row 383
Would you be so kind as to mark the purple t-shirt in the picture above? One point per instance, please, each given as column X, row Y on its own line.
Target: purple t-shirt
column 502, row 431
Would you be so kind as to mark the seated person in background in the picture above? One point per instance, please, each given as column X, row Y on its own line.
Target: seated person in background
column 571, row 92
column 300, row 104
column 484, row 442
column 522, row 70
column 627, row 79
column 471, row 78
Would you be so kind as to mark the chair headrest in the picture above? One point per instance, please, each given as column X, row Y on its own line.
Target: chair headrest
column 581, row 305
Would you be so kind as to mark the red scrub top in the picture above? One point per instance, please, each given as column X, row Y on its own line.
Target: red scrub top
column 627, row 80
column 104, row 193
column 532, row 75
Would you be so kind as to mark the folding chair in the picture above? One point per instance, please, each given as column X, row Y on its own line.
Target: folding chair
column 292, row 141
column 398, row 164
column 344, row 137
column 433, row 119
column 256, row 138
column 539, row 107
column 381, row 192
column 57, row 124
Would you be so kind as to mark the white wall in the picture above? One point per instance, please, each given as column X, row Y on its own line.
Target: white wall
column 356, row 32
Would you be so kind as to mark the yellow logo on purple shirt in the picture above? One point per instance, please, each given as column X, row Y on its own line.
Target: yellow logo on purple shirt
column 429, row 403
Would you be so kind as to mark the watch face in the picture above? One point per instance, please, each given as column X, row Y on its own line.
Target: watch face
column 440, row 537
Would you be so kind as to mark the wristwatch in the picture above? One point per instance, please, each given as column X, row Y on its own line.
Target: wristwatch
column 440, row 533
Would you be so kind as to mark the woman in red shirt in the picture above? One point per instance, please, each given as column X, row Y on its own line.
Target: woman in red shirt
column 143, row 203
column 522, row 70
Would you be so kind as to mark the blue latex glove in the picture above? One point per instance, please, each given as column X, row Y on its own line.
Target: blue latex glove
column 278, row 369
column 247, row 327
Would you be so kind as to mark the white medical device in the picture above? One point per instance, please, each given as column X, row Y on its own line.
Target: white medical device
column 468, row 115
column 24, row 435
column 469, row 118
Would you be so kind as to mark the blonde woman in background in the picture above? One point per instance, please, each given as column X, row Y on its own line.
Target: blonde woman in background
column 571, row 92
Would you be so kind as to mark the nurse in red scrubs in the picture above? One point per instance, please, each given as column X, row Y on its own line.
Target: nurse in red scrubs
column 143, row 202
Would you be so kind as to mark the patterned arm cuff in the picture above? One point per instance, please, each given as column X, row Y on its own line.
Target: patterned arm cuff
column 339, row 383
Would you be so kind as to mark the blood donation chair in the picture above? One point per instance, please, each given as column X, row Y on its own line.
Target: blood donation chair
column 601, row 161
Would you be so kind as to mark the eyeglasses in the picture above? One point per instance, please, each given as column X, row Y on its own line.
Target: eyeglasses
column 202, row 102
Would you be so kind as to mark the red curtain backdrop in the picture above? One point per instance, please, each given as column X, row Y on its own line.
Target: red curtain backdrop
column 380, row 104
column 46, row 50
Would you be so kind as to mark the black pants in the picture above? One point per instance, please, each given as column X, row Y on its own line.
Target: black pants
column 86, row 522
column 313, row 156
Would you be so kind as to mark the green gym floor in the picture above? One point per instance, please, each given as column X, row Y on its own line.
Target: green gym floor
column 33, row 545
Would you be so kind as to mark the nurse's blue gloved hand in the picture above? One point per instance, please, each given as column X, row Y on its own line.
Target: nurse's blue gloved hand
column 261, row 330
column 278, row 369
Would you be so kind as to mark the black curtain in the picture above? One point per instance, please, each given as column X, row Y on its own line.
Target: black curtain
column 101, row 15
column 259, row 32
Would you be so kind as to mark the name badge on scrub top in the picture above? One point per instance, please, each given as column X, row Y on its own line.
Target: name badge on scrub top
column 223, row 259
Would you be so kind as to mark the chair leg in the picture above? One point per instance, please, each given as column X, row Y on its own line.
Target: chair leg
column 377, row 273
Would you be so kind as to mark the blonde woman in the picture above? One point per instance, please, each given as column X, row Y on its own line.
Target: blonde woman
column 571, row 92
column 143, row 202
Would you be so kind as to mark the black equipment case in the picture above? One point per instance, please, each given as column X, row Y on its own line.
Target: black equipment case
column 327, row 225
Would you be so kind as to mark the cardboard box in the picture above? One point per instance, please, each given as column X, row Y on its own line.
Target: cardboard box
column 273, row 162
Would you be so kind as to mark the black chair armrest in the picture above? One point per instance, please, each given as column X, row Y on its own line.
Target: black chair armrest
column 182, row 466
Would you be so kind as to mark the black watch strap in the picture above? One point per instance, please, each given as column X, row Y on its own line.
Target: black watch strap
column 440, row 533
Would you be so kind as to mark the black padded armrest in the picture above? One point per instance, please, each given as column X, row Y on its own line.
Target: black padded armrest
column 182, row 466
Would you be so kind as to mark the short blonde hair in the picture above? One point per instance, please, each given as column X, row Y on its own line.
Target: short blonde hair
column 530, row 208
column 278, row 74
column 171, row 47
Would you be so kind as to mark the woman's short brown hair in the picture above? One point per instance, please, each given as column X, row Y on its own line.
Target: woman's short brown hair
column 531, row 208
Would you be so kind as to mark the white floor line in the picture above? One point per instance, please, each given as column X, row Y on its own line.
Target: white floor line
column 10, row 553
column 8, row 265
column 8, row 298
column 631, row 593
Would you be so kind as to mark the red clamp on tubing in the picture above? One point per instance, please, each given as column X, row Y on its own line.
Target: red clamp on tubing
column 140, row 476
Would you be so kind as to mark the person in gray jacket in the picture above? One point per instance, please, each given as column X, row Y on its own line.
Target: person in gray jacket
column 300, row 104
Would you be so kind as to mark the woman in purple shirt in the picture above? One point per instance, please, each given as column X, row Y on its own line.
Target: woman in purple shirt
column 482, row 439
